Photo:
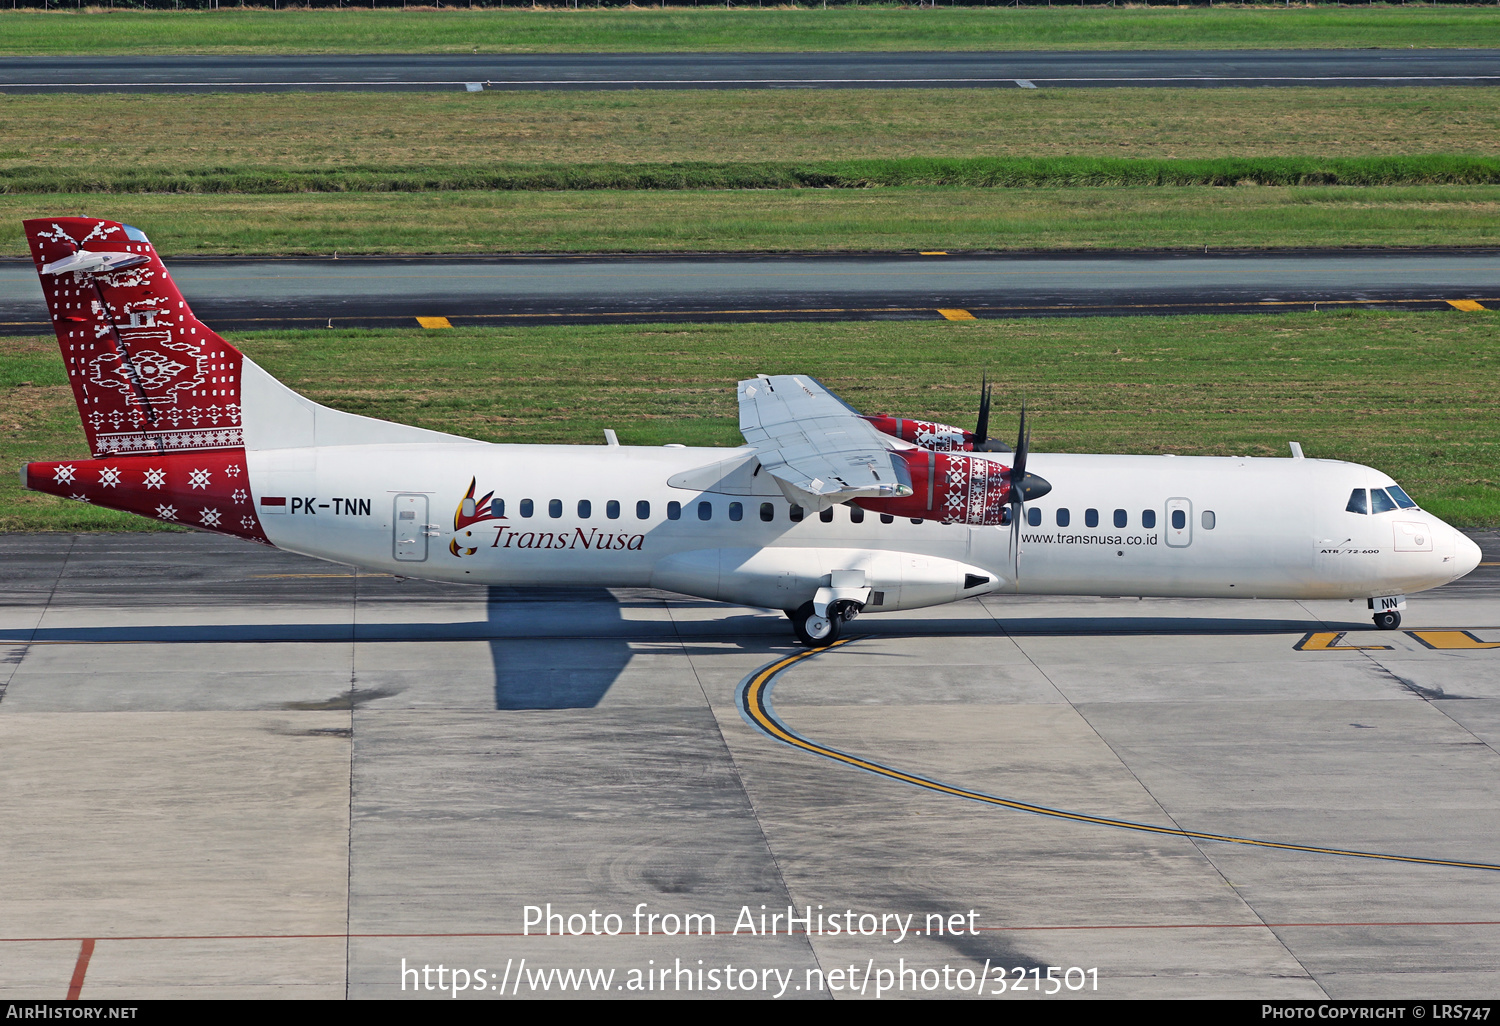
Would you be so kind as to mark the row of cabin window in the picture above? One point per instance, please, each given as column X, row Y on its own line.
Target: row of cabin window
column 1064, row 518
column 705, row 511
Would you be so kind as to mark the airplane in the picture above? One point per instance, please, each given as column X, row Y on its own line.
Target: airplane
column 824, row 513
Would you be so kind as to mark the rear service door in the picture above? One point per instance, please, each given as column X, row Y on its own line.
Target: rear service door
column 411, row 528
column 1179, row 526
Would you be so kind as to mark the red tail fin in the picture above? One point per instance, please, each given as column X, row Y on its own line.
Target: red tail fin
column 159, row 393
column 148, row 376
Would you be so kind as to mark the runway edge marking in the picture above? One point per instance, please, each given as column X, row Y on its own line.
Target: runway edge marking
column 753, row 700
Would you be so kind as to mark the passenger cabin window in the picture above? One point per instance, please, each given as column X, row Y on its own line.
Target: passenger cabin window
column 916, row 520
column 795, row 514
column 886, row 518
column 554, row 508
column 1034, row 517
column 856, row 515
column 585, row 509
column 1120, row 518
column 1380, row 502
column 705, row 510
column 1063, row 518
column 736, row 511
column 1357, row 502
column 497, row 507
column 1148, row 518
column 1091, row 518
column 612, row 509
column 674, row 510
column 1179, row 519
column 767, row 512
column 1402, row 499
column 826, row 515
column 1208, row 520
column 643, row 510
column 526, row 508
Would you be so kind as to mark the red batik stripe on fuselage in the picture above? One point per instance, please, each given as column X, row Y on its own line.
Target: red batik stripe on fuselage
column 209, row 490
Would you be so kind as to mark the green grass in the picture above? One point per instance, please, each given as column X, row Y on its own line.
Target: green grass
column 980, row 172
column 1168, row 217
column 1410, row 393
column 741, row 29
column 112, row 136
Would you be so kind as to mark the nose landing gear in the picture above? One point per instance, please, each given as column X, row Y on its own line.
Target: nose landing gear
column 816, row 631
column 1387, row 620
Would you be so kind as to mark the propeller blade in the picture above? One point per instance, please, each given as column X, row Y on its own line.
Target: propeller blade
column 1015, row 549
column 982, row 428
column 1023, row 445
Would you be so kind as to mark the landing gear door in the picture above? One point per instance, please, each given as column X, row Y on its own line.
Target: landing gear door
column 411, row 528
column 1179, row 526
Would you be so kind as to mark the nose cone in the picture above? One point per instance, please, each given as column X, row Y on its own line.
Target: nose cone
column 1466, row 554
column 1033, row 487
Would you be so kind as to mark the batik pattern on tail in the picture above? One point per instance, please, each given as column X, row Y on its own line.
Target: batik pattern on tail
column 148, row 376
column 158, row 391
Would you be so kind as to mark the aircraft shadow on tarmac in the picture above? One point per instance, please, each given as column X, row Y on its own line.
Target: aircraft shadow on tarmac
column 589, row 668
column 565, row 648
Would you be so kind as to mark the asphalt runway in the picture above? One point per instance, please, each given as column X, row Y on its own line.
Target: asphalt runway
column 1008, row 70
column 247, row 294
column 235, row 772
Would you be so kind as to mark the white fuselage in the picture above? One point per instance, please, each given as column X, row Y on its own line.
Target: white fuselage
column 1251, row 528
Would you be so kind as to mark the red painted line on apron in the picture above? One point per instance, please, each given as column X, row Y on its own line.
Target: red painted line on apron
column 85, row 952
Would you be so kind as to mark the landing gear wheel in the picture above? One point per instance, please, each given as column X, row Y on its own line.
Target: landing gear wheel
column 1388, row 620
column 813, row 630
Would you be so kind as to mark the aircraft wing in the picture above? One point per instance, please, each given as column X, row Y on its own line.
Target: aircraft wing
column 818, row 448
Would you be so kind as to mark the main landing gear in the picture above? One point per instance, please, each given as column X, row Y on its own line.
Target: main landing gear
column 816, row 631
column 1387, row 620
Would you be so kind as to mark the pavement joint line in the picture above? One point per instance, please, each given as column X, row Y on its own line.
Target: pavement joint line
column 753, row 699
column 991, row 632
column 739, row 776
column 1208, row 860
column 40, row 616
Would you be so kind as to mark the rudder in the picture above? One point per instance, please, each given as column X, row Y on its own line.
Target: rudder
column 148, row 376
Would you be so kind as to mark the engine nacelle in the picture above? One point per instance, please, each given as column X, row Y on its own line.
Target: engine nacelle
column 928, row 434
column 954, row 488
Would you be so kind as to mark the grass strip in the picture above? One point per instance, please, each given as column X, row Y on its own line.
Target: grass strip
column 778, row 28
column 788, row 220
column 105, row 135
column 972, row 173
column 1409, row 393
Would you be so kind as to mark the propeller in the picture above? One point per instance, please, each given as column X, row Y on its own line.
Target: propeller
column 982, row 440
column 1023, row 486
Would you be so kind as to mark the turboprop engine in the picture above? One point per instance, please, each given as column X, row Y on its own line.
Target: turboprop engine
column 948, row 484
column 929, row 434
column 952, row 487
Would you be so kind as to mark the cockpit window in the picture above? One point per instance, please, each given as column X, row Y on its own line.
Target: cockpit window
column 1357, row 502
column 1402, row 499
column 1380, row 502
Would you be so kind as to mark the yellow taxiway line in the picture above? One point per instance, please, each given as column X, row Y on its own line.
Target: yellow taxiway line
column 754, row 701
